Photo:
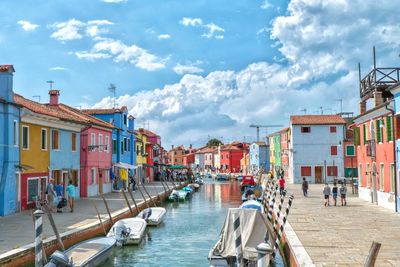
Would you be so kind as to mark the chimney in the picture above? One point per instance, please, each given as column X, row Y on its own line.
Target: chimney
column 54, row 97
column 378, row 99
column 6, row 82
column 363, row 107
column 172, row 147
column 140, row 129
column 190, row 146
column 131, row 121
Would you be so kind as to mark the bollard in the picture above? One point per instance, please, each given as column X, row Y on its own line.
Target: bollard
column 238, row 238
column 38, row 237
column 278, row 215
column 263, row 249
column 272, row 204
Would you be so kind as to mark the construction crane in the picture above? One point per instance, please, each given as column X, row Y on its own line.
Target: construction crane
column 257, row 126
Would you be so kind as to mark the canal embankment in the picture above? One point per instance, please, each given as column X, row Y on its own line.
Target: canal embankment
column 17, row 231
column 339, row 236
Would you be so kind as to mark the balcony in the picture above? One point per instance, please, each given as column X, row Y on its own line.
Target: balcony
column 379, row 79
column 93, row 147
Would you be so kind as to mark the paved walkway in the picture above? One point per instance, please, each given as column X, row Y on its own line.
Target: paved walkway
column 18, row 230
column 342, row 236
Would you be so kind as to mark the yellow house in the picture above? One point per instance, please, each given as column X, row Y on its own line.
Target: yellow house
column 245, row 163
column 141, row 156
column 271, row 153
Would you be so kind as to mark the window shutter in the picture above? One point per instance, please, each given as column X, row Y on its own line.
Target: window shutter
column 378, row 131
column 365, row 133
column 389, row 129
column 356, row 139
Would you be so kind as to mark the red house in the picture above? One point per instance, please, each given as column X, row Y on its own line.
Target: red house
column 230, row 157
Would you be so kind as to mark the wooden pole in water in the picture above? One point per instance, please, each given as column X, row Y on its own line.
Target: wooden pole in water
column 151, row 199
column 144, row 198
column 373, row 254
column 238, row 239
column 107, row 208
column 127, row 201
column 134, row 201
column 98, row 216
column 38, row 216
column 53, row 225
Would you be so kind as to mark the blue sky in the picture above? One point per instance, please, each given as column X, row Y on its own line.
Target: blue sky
column 193, row 69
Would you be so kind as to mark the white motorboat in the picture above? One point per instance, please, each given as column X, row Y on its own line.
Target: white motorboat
column 154, row 216
column 91, row 252
column 128, row 231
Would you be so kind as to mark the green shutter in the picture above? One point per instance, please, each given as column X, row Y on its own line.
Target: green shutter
column 389, row 128
column 364, row 134
column 356, row 133
column 378, row 131
column 350, row 150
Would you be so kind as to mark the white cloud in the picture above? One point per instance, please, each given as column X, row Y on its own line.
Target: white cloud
column 57, row 68
column 114, row 1
column 188, row 68
column 90, row 56
column 266, row 4
column 68, row 30
column 213, row 30
column 27, row 26
column 163, row 36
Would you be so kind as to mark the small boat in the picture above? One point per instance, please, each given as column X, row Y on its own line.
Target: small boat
column 91, row 252
column 128, row 231
column 199, row 181
column 179, row 195
column 252, row 204
column 222, row 177
column 195, row 186
column 153, row 216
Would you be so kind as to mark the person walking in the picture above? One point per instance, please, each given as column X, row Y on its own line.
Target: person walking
column 282, row 186
column 51, row 194
column 343, row 192
column 327, row 193
column 304, row 187
column 334, row 193
column 71, row 195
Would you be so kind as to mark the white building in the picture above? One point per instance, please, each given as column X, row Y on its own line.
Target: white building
column 316, row 148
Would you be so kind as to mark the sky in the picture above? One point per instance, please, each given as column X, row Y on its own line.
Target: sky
column 194, row 70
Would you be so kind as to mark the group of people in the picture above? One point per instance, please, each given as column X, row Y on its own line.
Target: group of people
column 342, row 190
column 55, row 195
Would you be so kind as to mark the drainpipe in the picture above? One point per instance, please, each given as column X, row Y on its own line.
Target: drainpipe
column 394, row 157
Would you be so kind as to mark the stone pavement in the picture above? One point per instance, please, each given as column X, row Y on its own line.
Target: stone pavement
column 18, row 230
column 342, row 236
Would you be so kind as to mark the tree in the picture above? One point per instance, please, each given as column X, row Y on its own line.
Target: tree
column 214, row 142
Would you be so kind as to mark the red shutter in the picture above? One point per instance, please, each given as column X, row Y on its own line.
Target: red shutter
column 333, row 150
column 305, row 171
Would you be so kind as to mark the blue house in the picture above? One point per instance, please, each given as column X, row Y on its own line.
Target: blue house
column 123, row 141
column 9, row 145
column 395, row 90
column 259, row 157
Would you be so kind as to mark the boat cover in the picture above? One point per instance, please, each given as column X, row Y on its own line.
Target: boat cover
column 253, row 225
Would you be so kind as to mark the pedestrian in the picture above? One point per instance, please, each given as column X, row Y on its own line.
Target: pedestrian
column 327, row 193
column 51, row 194
column 282, row 186
column 59, row 191
column 304, row 186
column 343, row 192
column 334, row 193
column 132, row 182
column 71, row 195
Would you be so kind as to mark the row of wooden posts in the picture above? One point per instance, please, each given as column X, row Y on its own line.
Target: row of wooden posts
column 40, row 254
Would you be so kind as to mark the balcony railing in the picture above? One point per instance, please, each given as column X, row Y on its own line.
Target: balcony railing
column 93, row 147
column 379, row 79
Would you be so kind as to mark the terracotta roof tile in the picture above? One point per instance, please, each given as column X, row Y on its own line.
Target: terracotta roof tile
column 86, row 117
column 316, row 119
column 7, row 68
column 104, row 110
column 146, row 132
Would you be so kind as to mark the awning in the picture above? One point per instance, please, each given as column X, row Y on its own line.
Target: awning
column 124, row 165
column 23, row 167
column 148, row 165
column 177, row 167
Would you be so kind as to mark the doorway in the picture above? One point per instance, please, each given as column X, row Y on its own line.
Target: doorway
column 101, row 175
column 318, row 174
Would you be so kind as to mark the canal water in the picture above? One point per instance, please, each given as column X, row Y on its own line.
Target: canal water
column 189, row 230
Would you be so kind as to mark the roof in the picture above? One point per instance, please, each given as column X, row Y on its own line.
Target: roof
column 230, row 147
column 7, row 68
column 260, row 143
column 206, row 150
column 281, row 131
column 105, row 110
column 146, row 132
column 89, row 119
column 316, row 119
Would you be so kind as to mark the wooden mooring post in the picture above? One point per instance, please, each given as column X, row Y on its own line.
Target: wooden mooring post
column 98, row 216
column 151, row 199
column 144, row 198
column 134, row 201
column 53, row 225
column 373, row 254
column 107, row 208
column 127, row 201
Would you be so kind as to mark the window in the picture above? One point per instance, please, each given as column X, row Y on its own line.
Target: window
column 305, row 170
column 129, row 145
column 306, row 129
column 331, row 171
column 106, row 145
column 356, row 136
column 114, row 146
column 33, row 189
column 332, row 129
column 137, row 150
column 359, row 174
column 93, row 140
column 124, row 119
column 350, row 151
column 92, row 176
column 334, row 150
column 367, row 174
column 100, row 142
column 55, row 144
column 382, row 176
column 364, row 133
column 222, row 156
column 125, row 144
column 392, row 177
column 142, row 150
column 73, row 141
column 389, row 128
column 25, row 137
column 15, row 135
column 43, row 139
column 227, row 156
column 75, row 178
column 122, row 147
column 106, row 176
column 379, row 135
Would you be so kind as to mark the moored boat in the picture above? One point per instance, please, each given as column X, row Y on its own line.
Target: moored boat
column 154, row 216
column 179, row 195
column 91, row 252
column 128, row 231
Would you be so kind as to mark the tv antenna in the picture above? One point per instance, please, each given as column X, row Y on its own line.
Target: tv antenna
column 113, row 90
column 37, row 96
column 51, row 84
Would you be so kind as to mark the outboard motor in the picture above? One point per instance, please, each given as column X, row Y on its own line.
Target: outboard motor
column 121, row 233
column 59, row 259
column 146, row 214
column 175, row 195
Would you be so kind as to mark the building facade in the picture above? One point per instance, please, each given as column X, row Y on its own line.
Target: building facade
column 316, row 148
column 259, row 157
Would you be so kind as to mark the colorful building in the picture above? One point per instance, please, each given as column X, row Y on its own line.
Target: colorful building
column 199, row 160
column 141, row 155
column 176, row 155
column 209, row 158
column 316, row 148
column 285, row 141
column 395, row 90
column 231, row 155
column 153, row 153
column 259, row 157
column 10, row 167
column 217, row 159
column 245, row 164
column 275, row 152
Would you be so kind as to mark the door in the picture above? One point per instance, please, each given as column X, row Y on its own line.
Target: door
column 374, row 195
column 101, row 175
column 18, row 185
column 318, row 174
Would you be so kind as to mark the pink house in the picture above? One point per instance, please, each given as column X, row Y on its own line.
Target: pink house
column 95, row 154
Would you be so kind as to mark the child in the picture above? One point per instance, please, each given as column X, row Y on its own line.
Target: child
column 343, row 192
column 334, row 192
column 327, row 192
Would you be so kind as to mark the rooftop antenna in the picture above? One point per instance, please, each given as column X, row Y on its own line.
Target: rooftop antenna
column 113, row 90
column 51, row 84
column 37, row 96
column 322, row 110
column 341, row 104
column 304, row 110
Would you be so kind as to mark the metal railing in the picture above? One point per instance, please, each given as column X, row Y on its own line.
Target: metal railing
column 379, row 78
